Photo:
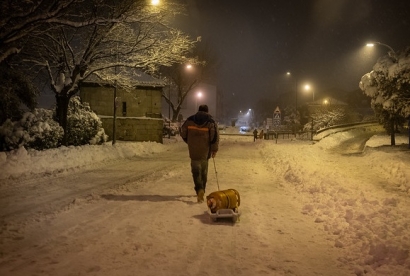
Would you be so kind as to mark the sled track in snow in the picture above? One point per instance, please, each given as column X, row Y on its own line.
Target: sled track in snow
column 57, row 192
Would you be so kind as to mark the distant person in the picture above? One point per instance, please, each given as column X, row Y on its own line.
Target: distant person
column 261, row 134
column 255, row 135
column 200, row 132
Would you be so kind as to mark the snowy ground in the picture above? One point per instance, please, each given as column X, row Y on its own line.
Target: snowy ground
column 306, row 209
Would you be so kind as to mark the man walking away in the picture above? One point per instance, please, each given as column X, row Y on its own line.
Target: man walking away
column 255, row 135
column 200, row 132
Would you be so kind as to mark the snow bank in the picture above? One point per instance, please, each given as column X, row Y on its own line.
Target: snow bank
column 368, row 219
column 22, row 162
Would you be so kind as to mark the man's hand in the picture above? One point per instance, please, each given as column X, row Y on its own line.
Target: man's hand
column 213, row 154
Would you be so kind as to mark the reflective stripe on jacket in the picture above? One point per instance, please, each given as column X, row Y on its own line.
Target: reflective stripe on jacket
column 200, row 132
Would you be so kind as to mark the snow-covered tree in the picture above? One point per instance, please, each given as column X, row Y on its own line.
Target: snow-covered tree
column 320, row 117
column 181, row 79
column 323, row 117
column 133, row 35
column 19, row 20
column 388, row 86
column 291, row 118
column 16, row 94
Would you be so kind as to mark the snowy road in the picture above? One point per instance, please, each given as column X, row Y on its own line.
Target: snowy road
column 44, row 194
column 139, row 216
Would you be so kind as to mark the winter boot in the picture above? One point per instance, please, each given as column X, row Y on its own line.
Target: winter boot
column 200, row 196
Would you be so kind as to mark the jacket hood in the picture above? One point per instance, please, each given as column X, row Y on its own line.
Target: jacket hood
column 201, row 118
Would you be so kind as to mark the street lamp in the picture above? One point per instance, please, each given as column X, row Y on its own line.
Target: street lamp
column 198, row 96
column 169, row 110
column 250, row 116
column 371, row 44
column 307, row 88
column 296, row 89
column 155, row 2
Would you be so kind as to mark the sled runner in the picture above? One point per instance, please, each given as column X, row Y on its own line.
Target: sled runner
column 225, row 213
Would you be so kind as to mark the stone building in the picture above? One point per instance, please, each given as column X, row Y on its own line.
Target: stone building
column 138, row 110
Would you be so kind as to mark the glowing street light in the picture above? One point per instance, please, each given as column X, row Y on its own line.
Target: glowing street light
column 155, row 2
column 296, row 88
column 308, row 88
column 372, row 44
column 198, row 96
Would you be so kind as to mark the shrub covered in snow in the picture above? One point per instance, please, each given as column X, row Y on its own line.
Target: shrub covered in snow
column 83, row 125
column 331, row 116
column 36, row 130
column 170, row 128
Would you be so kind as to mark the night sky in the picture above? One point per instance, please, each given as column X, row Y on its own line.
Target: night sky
column 321, row 42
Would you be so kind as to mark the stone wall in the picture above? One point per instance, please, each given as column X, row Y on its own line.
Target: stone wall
column 134, row 128
column 138, row 111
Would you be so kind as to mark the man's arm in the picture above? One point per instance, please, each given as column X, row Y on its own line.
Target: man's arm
column 184, row 132
column 214, row 139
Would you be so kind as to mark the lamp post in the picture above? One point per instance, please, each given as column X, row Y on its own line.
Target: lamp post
column 114, row 128
column 382, row 44
column 114, row 118
column 308, row 88
column 169, row 110
column 296, row 89
column 250, row 117
column 198, row 96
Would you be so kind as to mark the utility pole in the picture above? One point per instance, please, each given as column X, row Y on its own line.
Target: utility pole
column 115, row 102
column 169, row 110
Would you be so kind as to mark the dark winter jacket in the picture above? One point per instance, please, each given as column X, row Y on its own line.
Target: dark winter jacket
column 255, row 133
column 200, row 132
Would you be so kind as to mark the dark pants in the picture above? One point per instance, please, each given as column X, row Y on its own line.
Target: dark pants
column 199, row 169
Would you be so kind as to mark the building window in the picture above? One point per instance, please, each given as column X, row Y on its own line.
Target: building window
column 124, row 108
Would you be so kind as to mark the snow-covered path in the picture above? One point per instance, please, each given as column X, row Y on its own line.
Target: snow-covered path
column 306, row 210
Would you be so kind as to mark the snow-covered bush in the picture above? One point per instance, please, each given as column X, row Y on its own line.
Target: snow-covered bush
column 170, row 128
column 45, row 133
column 36, row 130
column 331, row 116
column 83, row 125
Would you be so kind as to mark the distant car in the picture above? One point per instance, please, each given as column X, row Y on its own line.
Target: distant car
column 245, row 128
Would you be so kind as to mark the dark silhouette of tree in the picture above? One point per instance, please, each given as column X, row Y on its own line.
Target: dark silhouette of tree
column 19, row 20
column 17, row 92
column 181, row 79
